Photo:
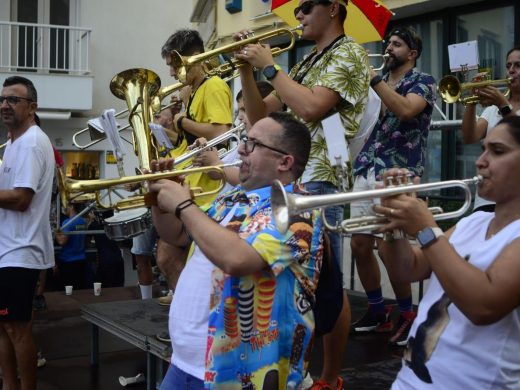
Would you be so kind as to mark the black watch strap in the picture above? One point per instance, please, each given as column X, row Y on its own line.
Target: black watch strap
column 375, row 80
column 506, row 110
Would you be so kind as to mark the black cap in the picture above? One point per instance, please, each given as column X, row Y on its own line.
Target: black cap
column 409, row 36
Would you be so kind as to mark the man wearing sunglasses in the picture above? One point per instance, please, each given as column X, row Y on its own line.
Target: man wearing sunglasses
column 397, row 141
column 26, row 247
column 241, row 316
column 333, row 78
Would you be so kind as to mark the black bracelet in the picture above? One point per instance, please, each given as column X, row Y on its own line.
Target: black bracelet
column 179, row 123
column 181, row 206
column 375, row 80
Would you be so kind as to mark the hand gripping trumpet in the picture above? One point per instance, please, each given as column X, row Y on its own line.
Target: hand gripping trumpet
column 69, row 187
column 285, row 205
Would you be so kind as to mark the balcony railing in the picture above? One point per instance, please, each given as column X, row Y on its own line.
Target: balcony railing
column 44, row 48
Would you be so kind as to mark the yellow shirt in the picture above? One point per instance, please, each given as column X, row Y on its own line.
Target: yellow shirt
column 210, row 103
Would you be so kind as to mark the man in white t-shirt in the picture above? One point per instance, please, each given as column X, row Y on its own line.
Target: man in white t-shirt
column 25, row 239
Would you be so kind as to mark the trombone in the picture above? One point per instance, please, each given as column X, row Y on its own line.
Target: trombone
column 383, row 60
column 181, row 63
column 451, row 89
column 285, row 205
column 69, row 187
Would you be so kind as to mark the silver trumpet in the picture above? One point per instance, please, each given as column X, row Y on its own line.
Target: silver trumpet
column 286, row 205
column 231, row 134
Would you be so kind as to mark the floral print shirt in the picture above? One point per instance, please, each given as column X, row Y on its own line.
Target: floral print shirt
column 344, row 69
column 261, row 325
column 400, row 144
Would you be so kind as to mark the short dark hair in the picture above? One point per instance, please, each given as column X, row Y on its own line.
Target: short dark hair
column 31, row 90
column 409, row 36
column 513, row 124
column 295, row 140
column 516, row 48
column 264, row 87
column 186, row 42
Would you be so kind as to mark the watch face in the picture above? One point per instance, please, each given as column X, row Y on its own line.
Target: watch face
column 269, row 72
column 426, row 236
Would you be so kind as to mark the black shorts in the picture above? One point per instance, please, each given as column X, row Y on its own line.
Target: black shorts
column 329, row 297
column 17, row 287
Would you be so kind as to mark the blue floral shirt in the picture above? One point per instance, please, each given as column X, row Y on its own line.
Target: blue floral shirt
column 261, row 326
column 395, row 143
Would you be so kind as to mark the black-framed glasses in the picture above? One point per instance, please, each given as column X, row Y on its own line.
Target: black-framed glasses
column 250, row 144
column 307, row 6
column 13, row 100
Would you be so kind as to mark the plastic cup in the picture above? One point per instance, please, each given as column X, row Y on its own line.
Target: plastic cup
column 68, row 290
column 97, row 288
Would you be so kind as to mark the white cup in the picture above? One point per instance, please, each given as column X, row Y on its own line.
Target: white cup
column 97, row 288
column 68, row 290
column 132, row 379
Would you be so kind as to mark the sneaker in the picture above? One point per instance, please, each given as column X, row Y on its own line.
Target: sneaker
column 307, row 381
column 322, row 385
column 39, row 303
column 41, row 362
column 370, row 322
column 167, row 299
column 400, row 337
column 164, row 336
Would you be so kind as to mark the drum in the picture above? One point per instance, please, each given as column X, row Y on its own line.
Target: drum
column 127, row 224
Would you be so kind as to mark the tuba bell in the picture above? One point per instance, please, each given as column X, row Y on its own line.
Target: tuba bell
column 137, row 86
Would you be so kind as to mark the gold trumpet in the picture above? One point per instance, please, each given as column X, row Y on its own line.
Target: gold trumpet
column 70, row 188
column 451, row 89
column 285, row 205
column 181, row 63
column 383, row 59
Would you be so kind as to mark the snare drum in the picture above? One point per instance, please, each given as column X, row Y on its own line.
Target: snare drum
column 127, row 224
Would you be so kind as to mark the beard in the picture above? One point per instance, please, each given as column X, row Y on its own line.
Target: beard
column 393, row 63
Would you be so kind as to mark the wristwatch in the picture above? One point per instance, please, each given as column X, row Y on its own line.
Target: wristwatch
column 428, row 236
column 506, row 110
column 270, row 71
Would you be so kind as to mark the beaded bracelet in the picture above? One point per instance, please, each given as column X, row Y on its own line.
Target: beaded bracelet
column 181, row 206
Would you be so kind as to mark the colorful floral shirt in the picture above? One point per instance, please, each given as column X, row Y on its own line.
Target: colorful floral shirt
column 344, row 69
column 395, row 143
column 261, row 325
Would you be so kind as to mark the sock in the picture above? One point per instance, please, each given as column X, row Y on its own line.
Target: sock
column 146, row 291
column 405, row 304
column 376, row 302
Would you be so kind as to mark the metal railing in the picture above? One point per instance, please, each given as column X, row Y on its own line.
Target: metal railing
column 44, row 48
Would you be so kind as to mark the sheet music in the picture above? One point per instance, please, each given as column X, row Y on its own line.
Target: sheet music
column 334, row 135
column 161, row 136
column 463, row 54
column 108, row 121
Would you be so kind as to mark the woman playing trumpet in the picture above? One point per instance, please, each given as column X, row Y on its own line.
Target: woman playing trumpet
column 498, row 107
column 467, row 331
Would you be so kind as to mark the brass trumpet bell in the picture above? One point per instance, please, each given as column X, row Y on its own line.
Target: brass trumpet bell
column 452, row 90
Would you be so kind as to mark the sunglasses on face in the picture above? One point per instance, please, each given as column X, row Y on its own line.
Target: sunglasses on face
column 249, row 146
column 13, row 100
column 307, row 6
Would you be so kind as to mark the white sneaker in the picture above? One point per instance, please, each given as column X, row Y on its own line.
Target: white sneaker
column 307, row 382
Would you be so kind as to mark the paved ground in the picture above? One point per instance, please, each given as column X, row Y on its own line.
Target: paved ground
column 64, row 338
